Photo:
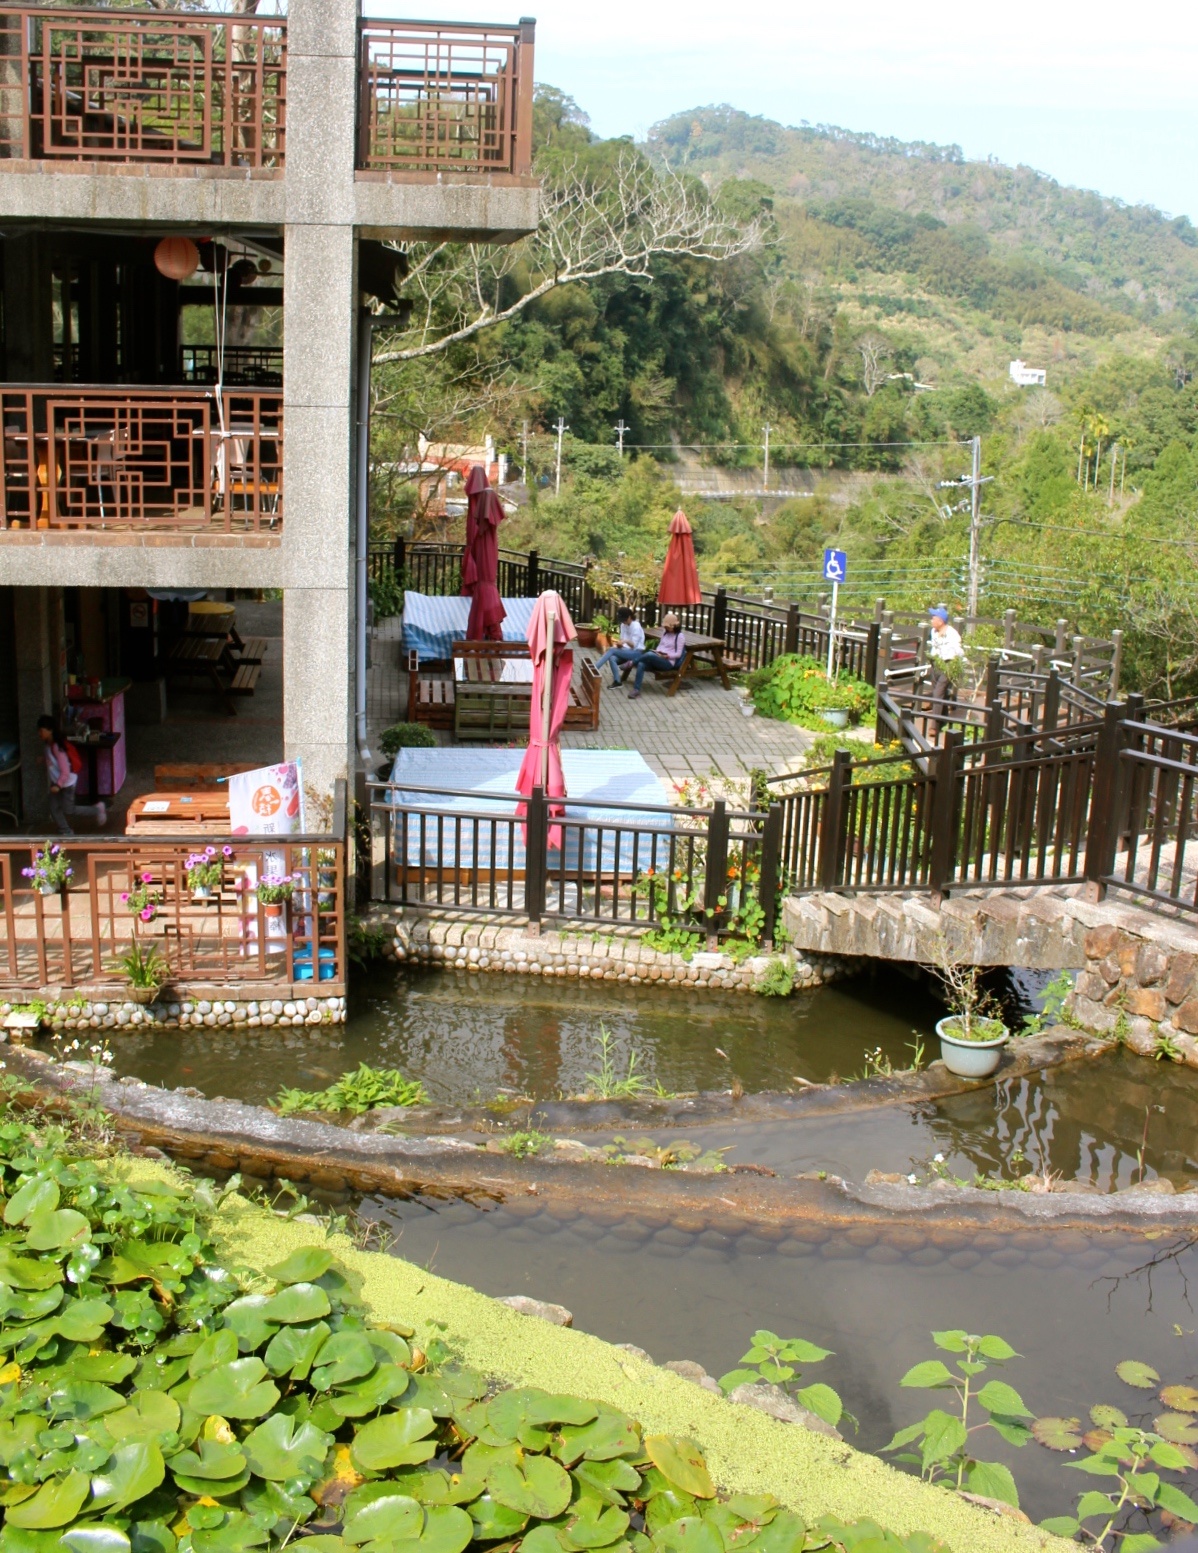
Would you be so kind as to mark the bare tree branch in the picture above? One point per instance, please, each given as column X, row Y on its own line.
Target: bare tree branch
column 589, row 228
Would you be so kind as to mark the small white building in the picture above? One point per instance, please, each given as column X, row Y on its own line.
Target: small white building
column 1024, row 376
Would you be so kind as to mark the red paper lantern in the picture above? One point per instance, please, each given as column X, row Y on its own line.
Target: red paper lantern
column 177, row 258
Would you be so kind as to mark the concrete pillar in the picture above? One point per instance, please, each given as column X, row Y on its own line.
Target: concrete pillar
column 318, row 342
column 34, row 614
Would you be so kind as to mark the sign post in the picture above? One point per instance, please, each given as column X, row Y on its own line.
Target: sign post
column 836, row 565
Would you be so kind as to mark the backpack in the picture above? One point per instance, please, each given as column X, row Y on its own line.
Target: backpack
column 74, row 759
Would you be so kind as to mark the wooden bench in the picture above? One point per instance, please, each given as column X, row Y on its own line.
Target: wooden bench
column 252, row 650
column 245, row 679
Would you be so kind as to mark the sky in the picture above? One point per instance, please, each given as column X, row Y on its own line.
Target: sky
column 1101, row 96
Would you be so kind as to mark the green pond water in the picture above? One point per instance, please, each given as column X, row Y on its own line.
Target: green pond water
column 1073, row 1305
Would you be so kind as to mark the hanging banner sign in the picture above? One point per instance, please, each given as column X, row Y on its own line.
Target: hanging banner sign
column 267, row 802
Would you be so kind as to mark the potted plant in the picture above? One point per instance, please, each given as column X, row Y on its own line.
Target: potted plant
column 972, row 1035
column 142, row 900
column 205, row 872
column 50, row 871
column 146, row 970
column 606, row 632
column 588, row 635
column 274, row 891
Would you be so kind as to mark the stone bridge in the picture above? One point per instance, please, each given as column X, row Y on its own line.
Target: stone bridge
column 1138, row 970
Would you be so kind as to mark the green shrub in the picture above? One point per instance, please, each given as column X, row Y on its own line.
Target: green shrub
column 795, row 689
column 777, row 980
column 386, row 595
column 356, row 1092
column 407, row 736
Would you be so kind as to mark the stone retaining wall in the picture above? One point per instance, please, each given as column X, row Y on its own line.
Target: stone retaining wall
column 619, row 956
column 85, row 1015
column 1140, row 984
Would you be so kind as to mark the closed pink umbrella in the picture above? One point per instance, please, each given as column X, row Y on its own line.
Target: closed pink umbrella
column 680, row 575
column 480, row 559
column 550, row 630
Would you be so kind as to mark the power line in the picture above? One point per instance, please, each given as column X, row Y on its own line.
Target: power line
column 1096, row 533
column 675, row 447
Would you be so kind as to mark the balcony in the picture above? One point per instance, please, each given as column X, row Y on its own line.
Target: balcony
column 163, row 460
column 112, row 86
column 185, row 90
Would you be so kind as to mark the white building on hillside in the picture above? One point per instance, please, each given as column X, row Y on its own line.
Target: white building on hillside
column 1027, row 377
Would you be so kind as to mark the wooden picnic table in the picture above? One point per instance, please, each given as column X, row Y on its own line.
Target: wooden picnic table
column 705, row 649
column 173, row 814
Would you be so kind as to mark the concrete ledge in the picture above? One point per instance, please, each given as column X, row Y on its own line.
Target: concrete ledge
column 38, row 559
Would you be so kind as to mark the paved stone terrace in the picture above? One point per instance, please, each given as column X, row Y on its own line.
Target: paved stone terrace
column 701, row 730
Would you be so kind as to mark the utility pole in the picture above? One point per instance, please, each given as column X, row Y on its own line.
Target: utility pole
column 562, row 429
column 975, row 529
column 620, row 430
column 1110, row 499
column 765, row 479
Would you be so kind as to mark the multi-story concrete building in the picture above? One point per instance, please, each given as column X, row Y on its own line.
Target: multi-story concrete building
column 147, row 450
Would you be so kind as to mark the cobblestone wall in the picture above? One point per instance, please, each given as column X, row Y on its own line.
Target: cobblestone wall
column 1142, row 986
column 619, row 956
column 85, row 1015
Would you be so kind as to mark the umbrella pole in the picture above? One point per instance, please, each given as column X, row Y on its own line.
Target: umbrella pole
column 547, row 697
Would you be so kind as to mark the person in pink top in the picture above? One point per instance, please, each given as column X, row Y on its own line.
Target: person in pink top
column 666, row 656
column 61, row 778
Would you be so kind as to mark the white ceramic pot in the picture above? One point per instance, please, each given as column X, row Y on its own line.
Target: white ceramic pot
column 47, row 889
column 969, row 1059
column 201, row 892
column 837, row 716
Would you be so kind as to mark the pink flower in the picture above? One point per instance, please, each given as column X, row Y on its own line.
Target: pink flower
column 147, row 913
column 124, row 895
column 147, row 878
column 228, row 851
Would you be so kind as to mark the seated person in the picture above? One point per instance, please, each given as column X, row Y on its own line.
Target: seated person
column 665, row 657
column 632, row 641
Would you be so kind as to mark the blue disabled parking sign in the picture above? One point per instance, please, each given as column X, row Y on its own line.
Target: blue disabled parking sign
column 836, row 565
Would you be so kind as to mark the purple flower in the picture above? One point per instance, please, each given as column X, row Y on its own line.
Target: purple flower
column 228, row 851
column 28, row 873
column 55, row 850
column 209, row 851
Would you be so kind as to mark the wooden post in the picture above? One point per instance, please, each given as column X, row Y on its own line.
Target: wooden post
column 536, row 858
column 521, row 110
column 588, row 595
column 719, row 614
column 399, row 559
column 1105, row 790
column 873, row 638
column 534, row 575
column 1077, row 660
column 770, row 873
column 831, row 835
column 1052, row 702
column 992, row 689
column 791, row 640
column 942, row 862
column 1116, row 664
column 715, row 881
column 1008, row 628
column 1062, row 630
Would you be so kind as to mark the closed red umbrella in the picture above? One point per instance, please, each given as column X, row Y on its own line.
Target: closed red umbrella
column 480, row 559
column 680, row 575
column 550, row 630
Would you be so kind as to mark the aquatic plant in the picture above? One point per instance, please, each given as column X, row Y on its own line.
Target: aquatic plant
column 150, row 1403
column 367, row 941
column 1137, row 1497
column 773, row 1359
column 1052, row 1011
column 1166, row 1048
column 777, row 980
column 526, row 1145
column 608, row 1084
column 945, row 1451
column 356, row 1092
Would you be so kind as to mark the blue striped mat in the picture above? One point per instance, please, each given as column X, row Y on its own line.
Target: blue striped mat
column 433, row 622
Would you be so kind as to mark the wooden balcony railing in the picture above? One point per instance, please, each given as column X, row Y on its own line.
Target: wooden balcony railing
column 76, row 938
column 151, row 459
column 83, row 84
column 446, row 97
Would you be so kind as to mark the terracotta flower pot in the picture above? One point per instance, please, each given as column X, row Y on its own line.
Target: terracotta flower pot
column 273, row 909
column 143, row 994
column 587, row 636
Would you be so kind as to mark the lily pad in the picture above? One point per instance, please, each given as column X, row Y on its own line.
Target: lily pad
column 217, row 1348
column 535, row 1485
column 395, row 1440
column 494, row 1521
column 1181, row 1399
column 592, row 1525
column 302, row 1266
column 1107, row 1417
column 1180, row 1428
column 386, row 1515
column 245, row 1317
column 689, row 1535
column 96, row 1539
column 681, row 1461
column 299, row 1303
column 83, row 1399
column 54, row 1229
column 149, row 1414
column 293, row 1349
column 1136, row 1374
column 343, row 1356
column 447, row 1529
column 26, row 1272
column 237, row 1390
column 56, row 1503
column 611, row 1435
column 356, row 1398
column 133, row 1471
column 509, row 1410
column 1058, row 1434
column 36, row 1196
column 280, row 1448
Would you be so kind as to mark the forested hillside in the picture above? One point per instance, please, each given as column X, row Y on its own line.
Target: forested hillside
column 872, row 328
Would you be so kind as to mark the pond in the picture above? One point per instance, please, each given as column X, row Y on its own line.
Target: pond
column 469, row 1038
column 1072, row 1305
